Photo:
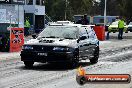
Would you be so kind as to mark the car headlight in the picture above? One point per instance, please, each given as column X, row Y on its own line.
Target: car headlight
column 27, row 47
column 61, row 49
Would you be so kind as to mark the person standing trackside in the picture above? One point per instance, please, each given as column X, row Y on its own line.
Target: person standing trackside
column 26, row 27
column 85, row 20
column 120, row 27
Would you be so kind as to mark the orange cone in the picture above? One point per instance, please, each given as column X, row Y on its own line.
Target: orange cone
column 81, row 71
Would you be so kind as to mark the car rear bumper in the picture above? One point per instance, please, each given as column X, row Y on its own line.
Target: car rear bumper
column 37, row 56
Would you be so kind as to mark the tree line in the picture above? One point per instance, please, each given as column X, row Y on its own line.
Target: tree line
column 66, row 9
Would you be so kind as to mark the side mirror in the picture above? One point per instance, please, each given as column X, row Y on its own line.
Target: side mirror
column 78, row 40
column 34, row 36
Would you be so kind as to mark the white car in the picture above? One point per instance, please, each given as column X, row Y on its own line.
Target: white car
column 130, row 27
column 114, row 27
column 62, row 43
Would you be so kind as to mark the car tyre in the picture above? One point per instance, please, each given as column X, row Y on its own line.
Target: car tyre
column 75, row 61
column 81, row 80
column 28, row 64
column 96, row 56
column 126, row 32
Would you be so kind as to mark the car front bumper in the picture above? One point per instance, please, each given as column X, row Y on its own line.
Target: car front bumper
column 39, row 56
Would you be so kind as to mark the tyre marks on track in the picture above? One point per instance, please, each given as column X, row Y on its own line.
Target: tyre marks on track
column 14, row 75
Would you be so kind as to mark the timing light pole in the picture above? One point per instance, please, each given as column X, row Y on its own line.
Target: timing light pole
column 66, row 10
column 105, row 13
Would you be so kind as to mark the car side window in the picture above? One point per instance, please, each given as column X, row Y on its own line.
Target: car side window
column 84, row 33
column 83, row 38
column 92, row 34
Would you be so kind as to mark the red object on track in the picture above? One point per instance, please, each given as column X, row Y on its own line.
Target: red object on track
column 100, row 32
column 16, row 39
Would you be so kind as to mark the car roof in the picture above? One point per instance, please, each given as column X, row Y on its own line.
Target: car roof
column 79, row 26
column 64, row 22
column 61, row 23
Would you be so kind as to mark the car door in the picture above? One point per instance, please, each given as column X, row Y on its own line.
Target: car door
column 83, row 46
column 92, row 43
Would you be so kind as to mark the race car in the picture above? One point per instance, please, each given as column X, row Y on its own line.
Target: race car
column 114, row 27
column 67, row 44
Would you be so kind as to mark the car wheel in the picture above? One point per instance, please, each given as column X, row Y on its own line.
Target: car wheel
column 96, row 56
column 126, row 32
column 81, row 80
column 74, row 61
column 28, row 64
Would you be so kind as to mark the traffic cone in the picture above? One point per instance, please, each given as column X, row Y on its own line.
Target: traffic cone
column 81, row 71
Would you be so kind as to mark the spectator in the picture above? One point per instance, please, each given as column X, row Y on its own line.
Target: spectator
column 26, row 27
column 120, row 27
column 85, row 20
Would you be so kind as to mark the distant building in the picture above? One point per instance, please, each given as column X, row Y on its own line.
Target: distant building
column 11, row 14
column 35, row 12
column 97, row 19
column 100, row 19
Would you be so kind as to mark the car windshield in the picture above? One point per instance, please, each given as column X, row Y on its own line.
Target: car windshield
column 59, row 32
